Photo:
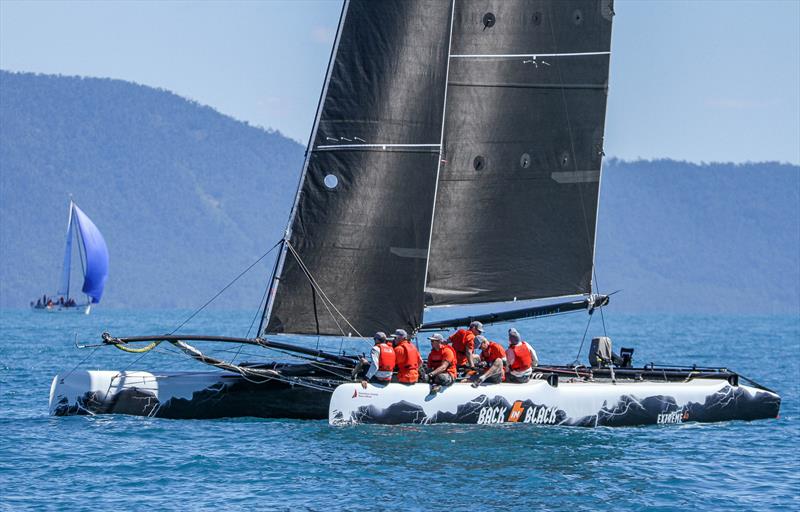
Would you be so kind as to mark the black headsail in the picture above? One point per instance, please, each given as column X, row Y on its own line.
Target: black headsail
column 518, row 186
column 357, row 242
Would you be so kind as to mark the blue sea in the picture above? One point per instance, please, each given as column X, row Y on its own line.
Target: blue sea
column 133, row 463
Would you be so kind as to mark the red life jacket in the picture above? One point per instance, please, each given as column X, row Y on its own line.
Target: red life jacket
column 462, row 340
column 407, row 358
column 522, row 357
column 386, row 358
column 437, row 357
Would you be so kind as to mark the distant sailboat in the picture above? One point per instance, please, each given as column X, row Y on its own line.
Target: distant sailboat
column 94, row 265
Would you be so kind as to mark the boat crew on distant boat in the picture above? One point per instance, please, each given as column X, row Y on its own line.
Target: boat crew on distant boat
column 382, row 362
column 441, row 364
column 493, row 356
column 463, row 342
column 407, row 358
column 521, row 358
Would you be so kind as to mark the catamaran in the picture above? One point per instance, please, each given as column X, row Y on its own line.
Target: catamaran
column 455, row 160
column 94, row 266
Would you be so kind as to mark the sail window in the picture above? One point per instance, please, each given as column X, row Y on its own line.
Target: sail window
column 331, row 181
column 525, row 160
column 488, row 20
column 479, row 163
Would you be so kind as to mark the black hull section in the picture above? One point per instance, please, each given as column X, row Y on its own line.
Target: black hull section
column 170, row 396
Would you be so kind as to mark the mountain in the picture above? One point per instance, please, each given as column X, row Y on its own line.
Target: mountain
column 187, row 198
column 714, row 238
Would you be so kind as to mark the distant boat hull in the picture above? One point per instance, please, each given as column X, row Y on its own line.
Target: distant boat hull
column 187, row 395
column 57, row 308
column 586, row 404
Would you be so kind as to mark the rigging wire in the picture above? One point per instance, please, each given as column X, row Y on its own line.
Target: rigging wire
column 322, row 293
column 583, row 340
column 225, row 288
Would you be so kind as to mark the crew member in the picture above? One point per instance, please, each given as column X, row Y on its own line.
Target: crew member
column 381, row 362
column 463, row 342
column 407, row 358
column 494, row 357
column 441, row 364
column 521, row 358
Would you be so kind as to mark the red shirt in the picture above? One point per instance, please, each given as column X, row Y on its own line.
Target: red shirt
column 492, row 352
column 461, row 341
column 437, row 357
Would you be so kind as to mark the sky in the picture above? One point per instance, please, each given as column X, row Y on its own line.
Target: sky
column 699, row 80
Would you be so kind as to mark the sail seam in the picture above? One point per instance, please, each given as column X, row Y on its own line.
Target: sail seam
column 533, row 55
column 333, row 146
column 441, row 151
column 288, row 233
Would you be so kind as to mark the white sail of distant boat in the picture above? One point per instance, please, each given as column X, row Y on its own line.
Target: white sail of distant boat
column 93, row 254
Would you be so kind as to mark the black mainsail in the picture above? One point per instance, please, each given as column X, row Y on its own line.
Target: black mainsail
column 455, row 159
column 358, row 239
column 518, row 186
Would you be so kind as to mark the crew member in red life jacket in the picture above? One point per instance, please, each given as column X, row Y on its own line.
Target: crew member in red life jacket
column 521, row 358
column 381, row 362
column 441, row 364
column 463, row 342
column 493, row 355
column 407, row 358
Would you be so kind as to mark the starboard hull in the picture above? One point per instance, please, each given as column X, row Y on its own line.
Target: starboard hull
column 587, row 404
column 186, row 395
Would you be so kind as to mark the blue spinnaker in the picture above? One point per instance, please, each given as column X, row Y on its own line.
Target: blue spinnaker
column 94, row 247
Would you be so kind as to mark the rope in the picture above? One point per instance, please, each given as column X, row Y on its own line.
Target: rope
column 212, row 299
column 142, row 350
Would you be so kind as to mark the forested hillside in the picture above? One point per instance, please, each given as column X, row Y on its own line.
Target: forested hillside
column 187, row 198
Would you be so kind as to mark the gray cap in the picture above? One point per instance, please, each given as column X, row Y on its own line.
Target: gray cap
column 513, row 334
column 436, row 337
column 400, row 333
column 480, row 339
column 379, row 336
column 477, row 325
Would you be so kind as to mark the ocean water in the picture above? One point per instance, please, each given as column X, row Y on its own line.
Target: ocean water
column 133, row 463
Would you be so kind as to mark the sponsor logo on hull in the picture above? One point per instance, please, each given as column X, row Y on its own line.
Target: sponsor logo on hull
column 540, row 415
column 677, row 416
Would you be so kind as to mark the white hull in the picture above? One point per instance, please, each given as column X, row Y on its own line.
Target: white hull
column 84, row 309
column 568, row 403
